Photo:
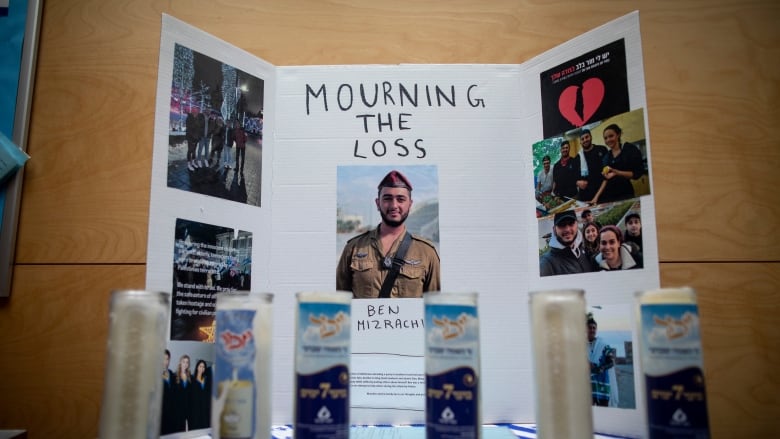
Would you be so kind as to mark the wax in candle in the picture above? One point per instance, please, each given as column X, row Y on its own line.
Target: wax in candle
column 132, row 395
column 561, row 370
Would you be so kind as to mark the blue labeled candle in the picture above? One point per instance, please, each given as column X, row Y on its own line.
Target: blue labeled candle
column 322, row 359
column 452, row 366
column 672, row 366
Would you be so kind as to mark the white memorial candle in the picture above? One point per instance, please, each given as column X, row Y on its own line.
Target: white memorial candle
column 132, row 395
column 559, row 339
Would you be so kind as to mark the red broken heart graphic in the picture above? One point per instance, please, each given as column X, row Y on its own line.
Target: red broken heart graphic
column 592, row 95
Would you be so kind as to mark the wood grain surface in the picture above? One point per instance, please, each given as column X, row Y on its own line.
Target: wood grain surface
column 713, row 82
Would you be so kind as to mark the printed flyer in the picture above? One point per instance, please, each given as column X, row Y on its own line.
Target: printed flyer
column 508, row 179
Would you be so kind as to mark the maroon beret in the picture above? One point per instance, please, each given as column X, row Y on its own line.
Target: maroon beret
column 394, row 179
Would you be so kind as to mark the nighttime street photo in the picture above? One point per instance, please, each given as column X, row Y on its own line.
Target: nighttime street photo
column 215, row 143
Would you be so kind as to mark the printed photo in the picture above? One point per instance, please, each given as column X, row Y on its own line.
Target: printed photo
column 605, row 237
column 387, row 228
column 611, row 356
column 186, row 388
column 591, row 87
column 599, row 163
column 215, row 143
column 208, row 259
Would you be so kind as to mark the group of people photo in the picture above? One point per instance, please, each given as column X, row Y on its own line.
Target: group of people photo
column 186, row 395
column 575, row 174
column 575, row 168
column 209, row 136
column 215, row 128
column 610, row 241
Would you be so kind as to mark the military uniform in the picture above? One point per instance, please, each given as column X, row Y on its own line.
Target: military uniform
column 361, row 269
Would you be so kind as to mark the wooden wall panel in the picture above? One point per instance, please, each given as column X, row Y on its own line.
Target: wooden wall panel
column 738, row 305
column 713, row 79
column 91, row 135
column 54, row 333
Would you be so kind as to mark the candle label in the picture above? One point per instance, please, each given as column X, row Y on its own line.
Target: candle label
column 672, row 367
column 234, row 373
column 451, row 372
column 322, row 371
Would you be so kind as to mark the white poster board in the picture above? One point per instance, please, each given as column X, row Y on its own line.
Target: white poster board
column 472, row 135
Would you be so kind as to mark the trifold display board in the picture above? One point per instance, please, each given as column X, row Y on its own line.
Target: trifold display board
column 269, row 209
